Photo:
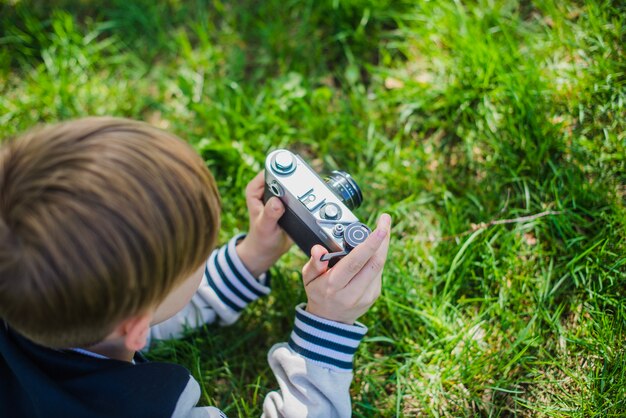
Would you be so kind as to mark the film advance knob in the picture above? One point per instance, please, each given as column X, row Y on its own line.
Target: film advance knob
column 355, row 234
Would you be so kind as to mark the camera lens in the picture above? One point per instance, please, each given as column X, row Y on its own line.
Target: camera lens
column 346, row 188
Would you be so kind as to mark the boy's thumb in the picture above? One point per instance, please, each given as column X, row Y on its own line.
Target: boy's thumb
column 314, row 267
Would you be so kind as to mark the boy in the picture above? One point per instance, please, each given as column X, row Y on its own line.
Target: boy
column 107, row 228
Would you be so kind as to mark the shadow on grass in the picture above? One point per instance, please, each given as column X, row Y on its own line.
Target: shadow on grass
column 265, row 38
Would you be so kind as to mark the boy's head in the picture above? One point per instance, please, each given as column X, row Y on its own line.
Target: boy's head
column 100, row 219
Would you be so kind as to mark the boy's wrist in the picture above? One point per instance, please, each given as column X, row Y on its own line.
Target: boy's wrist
column 231, row 286
column 328, row 343
column 335, row 317
column 257, row 262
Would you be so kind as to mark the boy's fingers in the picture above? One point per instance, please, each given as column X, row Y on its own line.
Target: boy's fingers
column 254, row 192
column 272, row 211
column 314, row 267
column 370, row 275
column 256, row 185
column 351, row 264
column 377, row 262
column 373, row 292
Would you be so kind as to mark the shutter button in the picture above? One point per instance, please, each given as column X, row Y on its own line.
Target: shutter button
column 331, row 211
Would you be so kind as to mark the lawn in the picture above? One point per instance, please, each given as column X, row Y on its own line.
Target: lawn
column 494, row 133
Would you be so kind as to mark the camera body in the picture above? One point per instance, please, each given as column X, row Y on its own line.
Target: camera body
column 317, row 211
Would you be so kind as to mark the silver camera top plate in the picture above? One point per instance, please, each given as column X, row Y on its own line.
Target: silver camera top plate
column 304, row 192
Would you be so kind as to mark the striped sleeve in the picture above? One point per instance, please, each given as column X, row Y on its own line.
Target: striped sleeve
column 231, row 285
column 327, row 343
column 225, row 290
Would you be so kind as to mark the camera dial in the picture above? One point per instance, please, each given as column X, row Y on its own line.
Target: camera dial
column 355, row 234
column 284, row 163
column 330, row 211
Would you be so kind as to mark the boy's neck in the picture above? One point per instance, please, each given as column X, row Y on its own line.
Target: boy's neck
column 112, row 349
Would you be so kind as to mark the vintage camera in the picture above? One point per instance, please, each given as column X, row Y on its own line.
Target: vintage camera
column 316, row 211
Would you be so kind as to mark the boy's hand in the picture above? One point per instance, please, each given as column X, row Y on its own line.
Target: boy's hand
column 346, row 291
column 266, row 241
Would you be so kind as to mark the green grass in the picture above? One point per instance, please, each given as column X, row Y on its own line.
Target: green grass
column 450, row 116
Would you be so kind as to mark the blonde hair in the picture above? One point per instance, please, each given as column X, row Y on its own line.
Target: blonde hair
column 100, row 218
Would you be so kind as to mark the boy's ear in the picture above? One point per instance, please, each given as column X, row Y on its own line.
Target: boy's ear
column 135, row 331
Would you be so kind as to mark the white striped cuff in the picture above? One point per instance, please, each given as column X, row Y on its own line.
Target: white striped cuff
column 233, row 284
column 328, row 343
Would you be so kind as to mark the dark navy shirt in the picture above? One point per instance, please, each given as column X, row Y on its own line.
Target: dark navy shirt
column 36, row 381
